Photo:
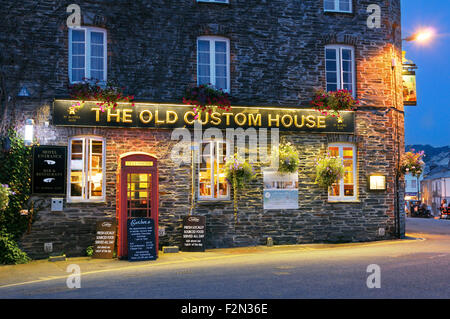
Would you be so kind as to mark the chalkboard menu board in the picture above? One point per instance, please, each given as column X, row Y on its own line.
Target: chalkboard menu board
column 141, row 239
column 105, row 237
column 194, row 233
column 49, row 170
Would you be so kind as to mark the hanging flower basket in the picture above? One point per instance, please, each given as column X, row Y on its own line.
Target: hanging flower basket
column 206, row 98
column 107, row 97
column 238, row 173
column 329, row 169
column 288, row 158
column 412, row 163
column 334, row 102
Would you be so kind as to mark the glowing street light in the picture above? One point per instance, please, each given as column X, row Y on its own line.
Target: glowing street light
column 422, row 36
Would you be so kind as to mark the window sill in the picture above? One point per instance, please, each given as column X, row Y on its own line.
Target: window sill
column 97, row 202
column 331, row 13
column 213, row 201
column 344, row 201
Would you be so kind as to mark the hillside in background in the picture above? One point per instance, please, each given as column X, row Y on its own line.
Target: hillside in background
column 437, row 159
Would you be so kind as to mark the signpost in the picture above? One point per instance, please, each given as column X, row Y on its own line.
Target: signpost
column 194, row 233
column 49, row 170
column 104, row 240
column 141, row 239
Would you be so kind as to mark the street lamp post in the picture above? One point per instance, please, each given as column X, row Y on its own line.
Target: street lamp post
column 422, row 36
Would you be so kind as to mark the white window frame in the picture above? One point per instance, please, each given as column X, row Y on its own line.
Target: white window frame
column 337, row 7
column 200, row 159
column 87, row 52
column 339, row 69
column 86, row 175
column 212, row 59
column 214, row 1
column 341, row 197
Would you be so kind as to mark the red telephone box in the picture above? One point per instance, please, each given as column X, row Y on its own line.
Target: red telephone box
column 138, row 194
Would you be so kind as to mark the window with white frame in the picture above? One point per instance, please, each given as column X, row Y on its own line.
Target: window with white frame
column 340, row 68
column 213, row 62
column 212, row 183
column 338, row 5
column 87, row 54
column 345, row 188
column 86, row 169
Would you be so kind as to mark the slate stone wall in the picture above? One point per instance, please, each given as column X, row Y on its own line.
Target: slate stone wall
column 277, row 59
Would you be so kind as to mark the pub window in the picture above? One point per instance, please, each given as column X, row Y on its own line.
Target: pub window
column 338, row 6
column 213, row 62
column 87, row 54
column 212, row 183
column 86, row 169
column 340, row 68
column 345, row 188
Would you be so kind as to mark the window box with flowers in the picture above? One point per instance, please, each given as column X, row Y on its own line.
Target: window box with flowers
column 206, row 98
column 107, row 96
column 334, row 102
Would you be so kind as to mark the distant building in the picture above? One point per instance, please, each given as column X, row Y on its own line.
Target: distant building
column 412, row 187
column 435, row 188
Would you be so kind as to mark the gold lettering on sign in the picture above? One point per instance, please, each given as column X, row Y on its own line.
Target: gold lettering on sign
column 321, row 122
column 186, row 120
column 138, row 163
column 215, row 118
column 283, row 120
column 146, row 113
column 310, row 121
column 174, row 118
column 296, row 123
column 254, row 119
column 276, row 120
column 157, row 120
column 97, row 113
column 242, row 121
column 116, row 115
column 228, row 117
column 205, row 121
column 126, row 116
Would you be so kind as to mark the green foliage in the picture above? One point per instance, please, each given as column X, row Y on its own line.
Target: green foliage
column 5, row 192
column 329, row 169
column 288, row 158
column 16, row 172
column 10, row 252
column 412, row 163
column 89, row 251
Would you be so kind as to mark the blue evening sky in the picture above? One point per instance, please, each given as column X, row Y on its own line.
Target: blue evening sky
column 429, row 121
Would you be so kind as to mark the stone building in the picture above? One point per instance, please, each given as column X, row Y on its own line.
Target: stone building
column 271, row 56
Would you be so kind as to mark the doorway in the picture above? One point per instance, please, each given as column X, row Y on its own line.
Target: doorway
column 138, row 194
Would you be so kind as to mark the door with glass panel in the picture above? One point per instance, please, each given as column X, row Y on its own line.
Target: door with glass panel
column 138, row 194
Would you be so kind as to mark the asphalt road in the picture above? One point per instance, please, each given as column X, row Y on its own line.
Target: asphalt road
column 408, row 269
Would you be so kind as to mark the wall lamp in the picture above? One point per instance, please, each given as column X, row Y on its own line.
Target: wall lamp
column 29, row 132
column 377, row 182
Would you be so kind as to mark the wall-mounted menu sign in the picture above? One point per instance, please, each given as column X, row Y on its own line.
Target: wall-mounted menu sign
column 104, row 240
column 49, row 170
column 141, row 239
column 164, row 116
column 194, row 233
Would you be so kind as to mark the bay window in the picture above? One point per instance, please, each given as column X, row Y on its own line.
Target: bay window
column 87, row 54
column 345, row 188
column 212, row 183
column 340, row 68
column 86, row 169
column 213, row 62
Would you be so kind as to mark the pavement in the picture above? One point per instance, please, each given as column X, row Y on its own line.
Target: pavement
column 38, row 271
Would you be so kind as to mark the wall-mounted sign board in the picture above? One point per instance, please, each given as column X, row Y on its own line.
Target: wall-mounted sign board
column 49, row 170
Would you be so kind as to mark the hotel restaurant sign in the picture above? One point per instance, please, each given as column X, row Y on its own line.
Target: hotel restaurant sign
column 167, row 116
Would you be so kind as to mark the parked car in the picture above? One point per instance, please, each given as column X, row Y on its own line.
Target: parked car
column 419, row 209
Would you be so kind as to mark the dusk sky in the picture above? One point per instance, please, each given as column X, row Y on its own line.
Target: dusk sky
column 429, row 121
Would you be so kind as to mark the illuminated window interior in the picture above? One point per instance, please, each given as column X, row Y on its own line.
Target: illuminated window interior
column 212, row 181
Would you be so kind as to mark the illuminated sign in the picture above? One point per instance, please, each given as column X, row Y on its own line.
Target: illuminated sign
column 146, row 115
column 138, row 163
